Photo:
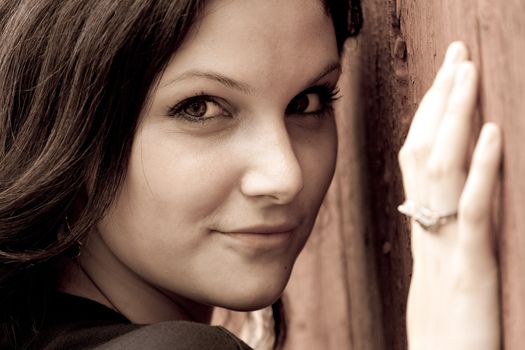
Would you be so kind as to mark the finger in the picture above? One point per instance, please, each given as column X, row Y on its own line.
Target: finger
column 474, row 215
column 420, row 138
column 434, row 102
column 446, row 164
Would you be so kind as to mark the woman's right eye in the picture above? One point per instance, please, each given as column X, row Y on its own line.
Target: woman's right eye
column 198, row 108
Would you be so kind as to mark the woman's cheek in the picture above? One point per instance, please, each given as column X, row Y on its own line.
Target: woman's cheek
column 184, row 178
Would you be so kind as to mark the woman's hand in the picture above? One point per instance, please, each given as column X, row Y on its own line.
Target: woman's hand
column 453, row 299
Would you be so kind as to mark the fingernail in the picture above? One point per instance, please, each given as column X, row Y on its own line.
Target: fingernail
column 456, row 52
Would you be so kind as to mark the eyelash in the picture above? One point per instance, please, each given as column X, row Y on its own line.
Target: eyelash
column 327, row 93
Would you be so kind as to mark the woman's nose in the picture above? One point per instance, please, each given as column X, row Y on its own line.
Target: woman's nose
column 274, row 171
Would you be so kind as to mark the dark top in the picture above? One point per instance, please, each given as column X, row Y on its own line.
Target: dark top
column 77, row 323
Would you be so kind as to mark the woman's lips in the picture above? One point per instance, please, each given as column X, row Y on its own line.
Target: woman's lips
column 260, row 240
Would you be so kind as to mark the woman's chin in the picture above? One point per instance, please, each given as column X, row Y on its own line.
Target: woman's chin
column 251, row 296
column 251, row 303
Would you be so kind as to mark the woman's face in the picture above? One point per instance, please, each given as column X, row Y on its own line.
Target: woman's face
column 231, row 158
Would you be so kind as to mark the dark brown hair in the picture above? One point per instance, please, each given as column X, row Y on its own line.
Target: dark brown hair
column 74, row 76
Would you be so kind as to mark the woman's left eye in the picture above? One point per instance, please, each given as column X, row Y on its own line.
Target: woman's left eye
column 313, row 101
column 305, row 103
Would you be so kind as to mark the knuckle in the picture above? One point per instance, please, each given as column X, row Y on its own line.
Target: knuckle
column 405, row 156
column 422, row 150
column 436, row 170
column 414, row 153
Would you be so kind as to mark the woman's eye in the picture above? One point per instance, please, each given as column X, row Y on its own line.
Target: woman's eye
column 203, row 109
column 314, row 101
column 305, row 104
column 198, row 108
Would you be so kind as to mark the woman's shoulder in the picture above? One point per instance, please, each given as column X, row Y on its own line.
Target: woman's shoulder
column 166, row 335
column 176, row 334
column 78, row 323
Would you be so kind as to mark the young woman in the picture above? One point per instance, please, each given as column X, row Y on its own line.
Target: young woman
column 160, row 157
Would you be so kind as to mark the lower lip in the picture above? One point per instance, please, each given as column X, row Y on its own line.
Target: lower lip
column 260, row 240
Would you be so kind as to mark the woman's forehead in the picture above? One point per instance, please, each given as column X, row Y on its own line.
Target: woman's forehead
column 276, row 21
column 256, row 40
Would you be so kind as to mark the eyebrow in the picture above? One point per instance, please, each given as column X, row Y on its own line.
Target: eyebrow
column 221, row 79
column 335, row 66
column 240, row 86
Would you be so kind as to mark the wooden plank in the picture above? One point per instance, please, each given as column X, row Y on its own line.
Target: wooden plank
column 502, row 36
column 383, row 95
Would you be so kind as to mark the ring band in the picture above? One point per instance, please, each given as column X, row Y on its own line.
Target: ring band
column 427, row 218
